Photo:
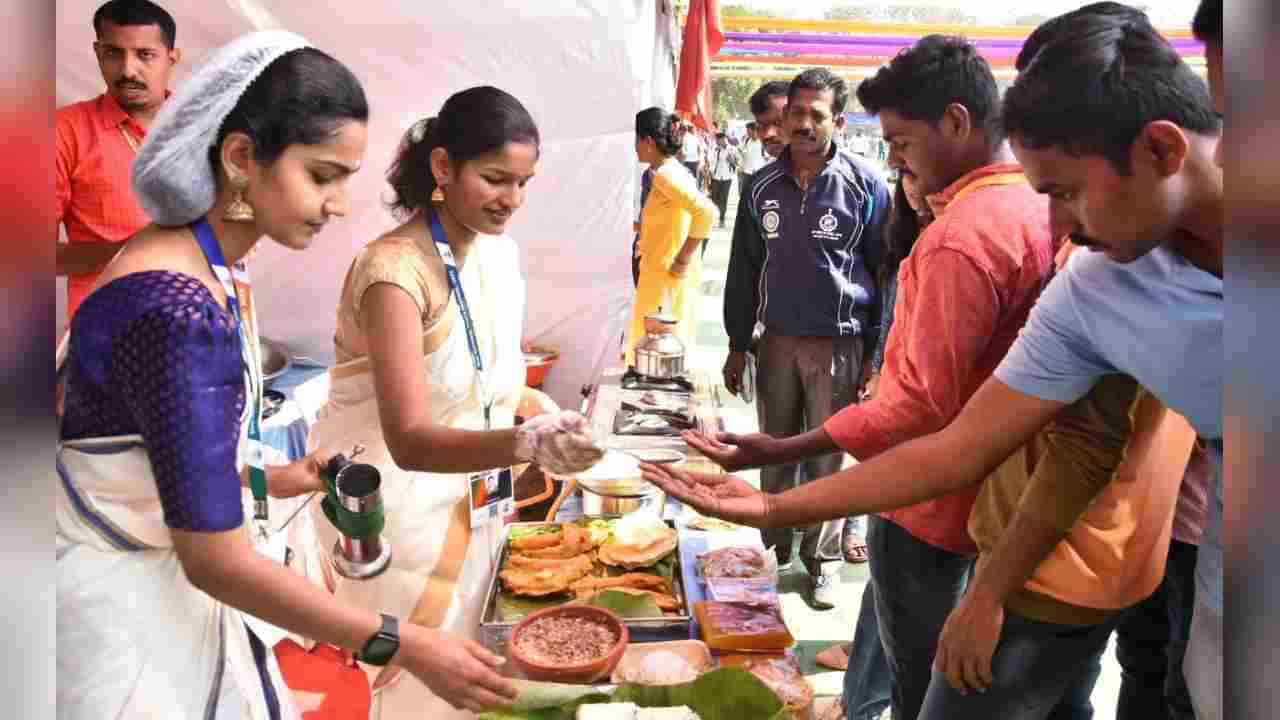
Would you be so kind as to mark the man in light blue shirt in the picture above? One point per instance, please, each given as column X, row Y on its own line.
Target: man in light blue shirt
column 1154, row 314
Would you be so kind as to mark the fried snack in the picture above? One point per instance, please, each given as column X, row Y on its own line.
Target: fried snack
column 639, row 581
column 537, row 541
column 574, row 541
column 638, row 556
column 524, row 562
column 664, row 601
column 537, row 582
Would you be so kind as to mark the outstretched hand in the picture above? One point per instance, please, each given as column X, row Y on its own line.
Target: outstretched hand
column 732, row 452
column 728, row 497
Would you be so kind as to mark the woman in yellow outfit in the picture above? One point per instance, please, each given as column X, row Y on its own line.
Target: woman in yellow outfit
column 676, row 219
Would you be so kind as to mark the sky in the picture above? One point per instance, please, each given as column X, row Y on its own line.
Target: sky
column 1164, row 13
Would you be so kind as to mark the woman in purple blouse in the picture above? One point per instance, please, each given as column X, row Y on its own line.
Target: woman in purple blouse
column 167, row 604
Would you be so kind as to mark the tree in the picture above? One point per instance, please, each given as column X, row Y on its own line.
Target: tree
column 747, row 11
column 731, row 97
column 902, row 14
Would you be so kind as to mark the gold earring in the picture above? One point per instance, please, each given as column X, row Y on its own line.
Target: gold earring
column 437, row 195
column 238, row 210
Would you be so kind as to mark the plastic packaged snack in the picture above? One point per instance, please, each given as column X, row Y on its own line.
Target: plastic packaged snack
column 756, row 591
column 742, row 628
column 734, row 562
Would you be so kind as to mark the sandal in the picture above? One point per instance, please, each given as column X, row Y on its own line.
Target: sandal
column 835, row 657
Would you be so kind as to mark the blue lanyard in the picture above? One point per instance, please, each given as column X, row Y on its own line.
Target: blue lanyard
column 455, row 286
column 248, row 345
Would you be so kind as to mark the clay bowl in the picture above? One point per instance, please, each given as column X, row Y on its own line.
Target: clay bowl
column 587, row 672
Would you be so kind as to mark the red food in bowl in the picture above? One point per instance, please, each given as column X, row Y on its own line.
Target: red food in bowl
column 569, row 644
column 537, row 363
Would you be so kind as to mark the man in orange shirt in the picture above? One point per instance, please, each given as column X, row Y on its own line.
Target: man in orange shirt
column 97, row 139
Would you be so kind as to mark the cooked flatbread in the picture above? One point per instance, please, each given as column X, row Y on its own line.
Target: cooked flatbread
column 638, row 556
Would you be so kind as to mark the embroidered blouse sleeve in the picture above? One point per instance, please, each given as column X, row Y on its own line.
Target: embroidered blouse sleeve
column 180, row 375
column 394, row 261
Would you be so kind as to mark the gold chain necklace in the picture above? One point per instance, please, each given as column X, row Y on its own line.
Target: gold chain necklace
column 133, row 142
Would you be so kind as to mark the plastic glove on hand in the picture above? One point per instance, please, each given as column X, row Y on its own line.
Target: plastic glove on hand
column 560, row 442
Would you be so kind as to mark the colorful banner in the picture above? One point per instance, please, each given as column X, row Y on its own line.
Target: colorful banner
column 735, row 39
column 894, row 29
column 743, row 48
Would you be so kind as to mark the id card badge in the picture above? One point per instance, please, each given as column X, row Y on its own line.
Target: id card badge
column 492, row 497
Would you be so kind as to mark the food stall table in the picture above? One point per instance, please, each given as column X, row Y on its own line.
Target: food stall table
column 600, row 406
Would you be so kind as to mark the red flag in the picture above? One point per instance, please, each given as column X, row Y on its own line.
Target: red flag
column 703, row 38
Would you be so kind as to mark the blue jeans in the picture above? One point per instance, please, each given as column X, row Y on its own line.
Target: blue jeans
column 1042, row 671
column 1151, row 642
column 867, row 680
column 916, row 586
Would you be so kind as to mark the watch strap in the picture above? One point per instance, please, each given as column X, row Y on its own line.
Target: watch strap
column 384, row 644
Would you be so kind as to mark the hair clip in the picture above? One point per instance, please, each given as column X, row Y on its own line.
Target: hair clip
column 419, row 130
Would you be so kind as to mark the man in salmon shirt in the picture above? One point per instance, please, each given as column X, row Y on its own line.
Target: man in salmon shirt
column 965, row 292
column 97, row 140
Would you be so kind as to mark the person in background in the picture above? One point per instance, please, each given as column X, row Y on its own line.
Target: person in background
column 96, row 140
column 724, row 165
column 806, row 248
column 753, row 155
column 1203, row 657
column 690, row 150
column 708, row 140
column 646, row 184
column 1151, row 640
column 406, row 387
column 675, row 222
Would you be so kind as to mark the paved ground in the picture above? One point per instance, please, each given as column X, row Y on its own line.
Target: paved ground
column 814, row 630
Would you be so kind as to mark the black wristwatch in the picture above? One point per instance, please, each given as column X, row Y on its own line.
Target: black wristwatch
column 384, row 644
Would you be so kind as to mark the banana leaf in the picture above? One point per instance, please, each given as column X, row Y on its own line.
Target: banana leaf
column 625, row 604
column 726, row 694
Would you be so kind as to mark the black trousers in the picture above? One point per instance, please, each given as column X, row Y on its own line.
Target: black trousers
column 720, row 195
column 1151, row 642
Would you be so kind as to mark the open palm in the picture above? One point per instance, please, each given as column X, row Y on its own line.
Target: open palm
column 732, row 452
column 724, row 496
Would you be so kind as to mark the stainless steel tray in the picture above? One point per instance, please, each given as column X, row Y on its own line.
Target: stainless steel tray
column 494, row 632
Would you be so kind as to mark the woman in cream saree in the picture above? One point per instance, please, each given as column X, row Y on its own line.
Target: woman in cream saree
column 430, row 373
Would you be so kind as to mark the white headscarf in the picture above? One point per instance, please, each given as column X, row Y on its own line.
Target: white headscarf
column 172, row 176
